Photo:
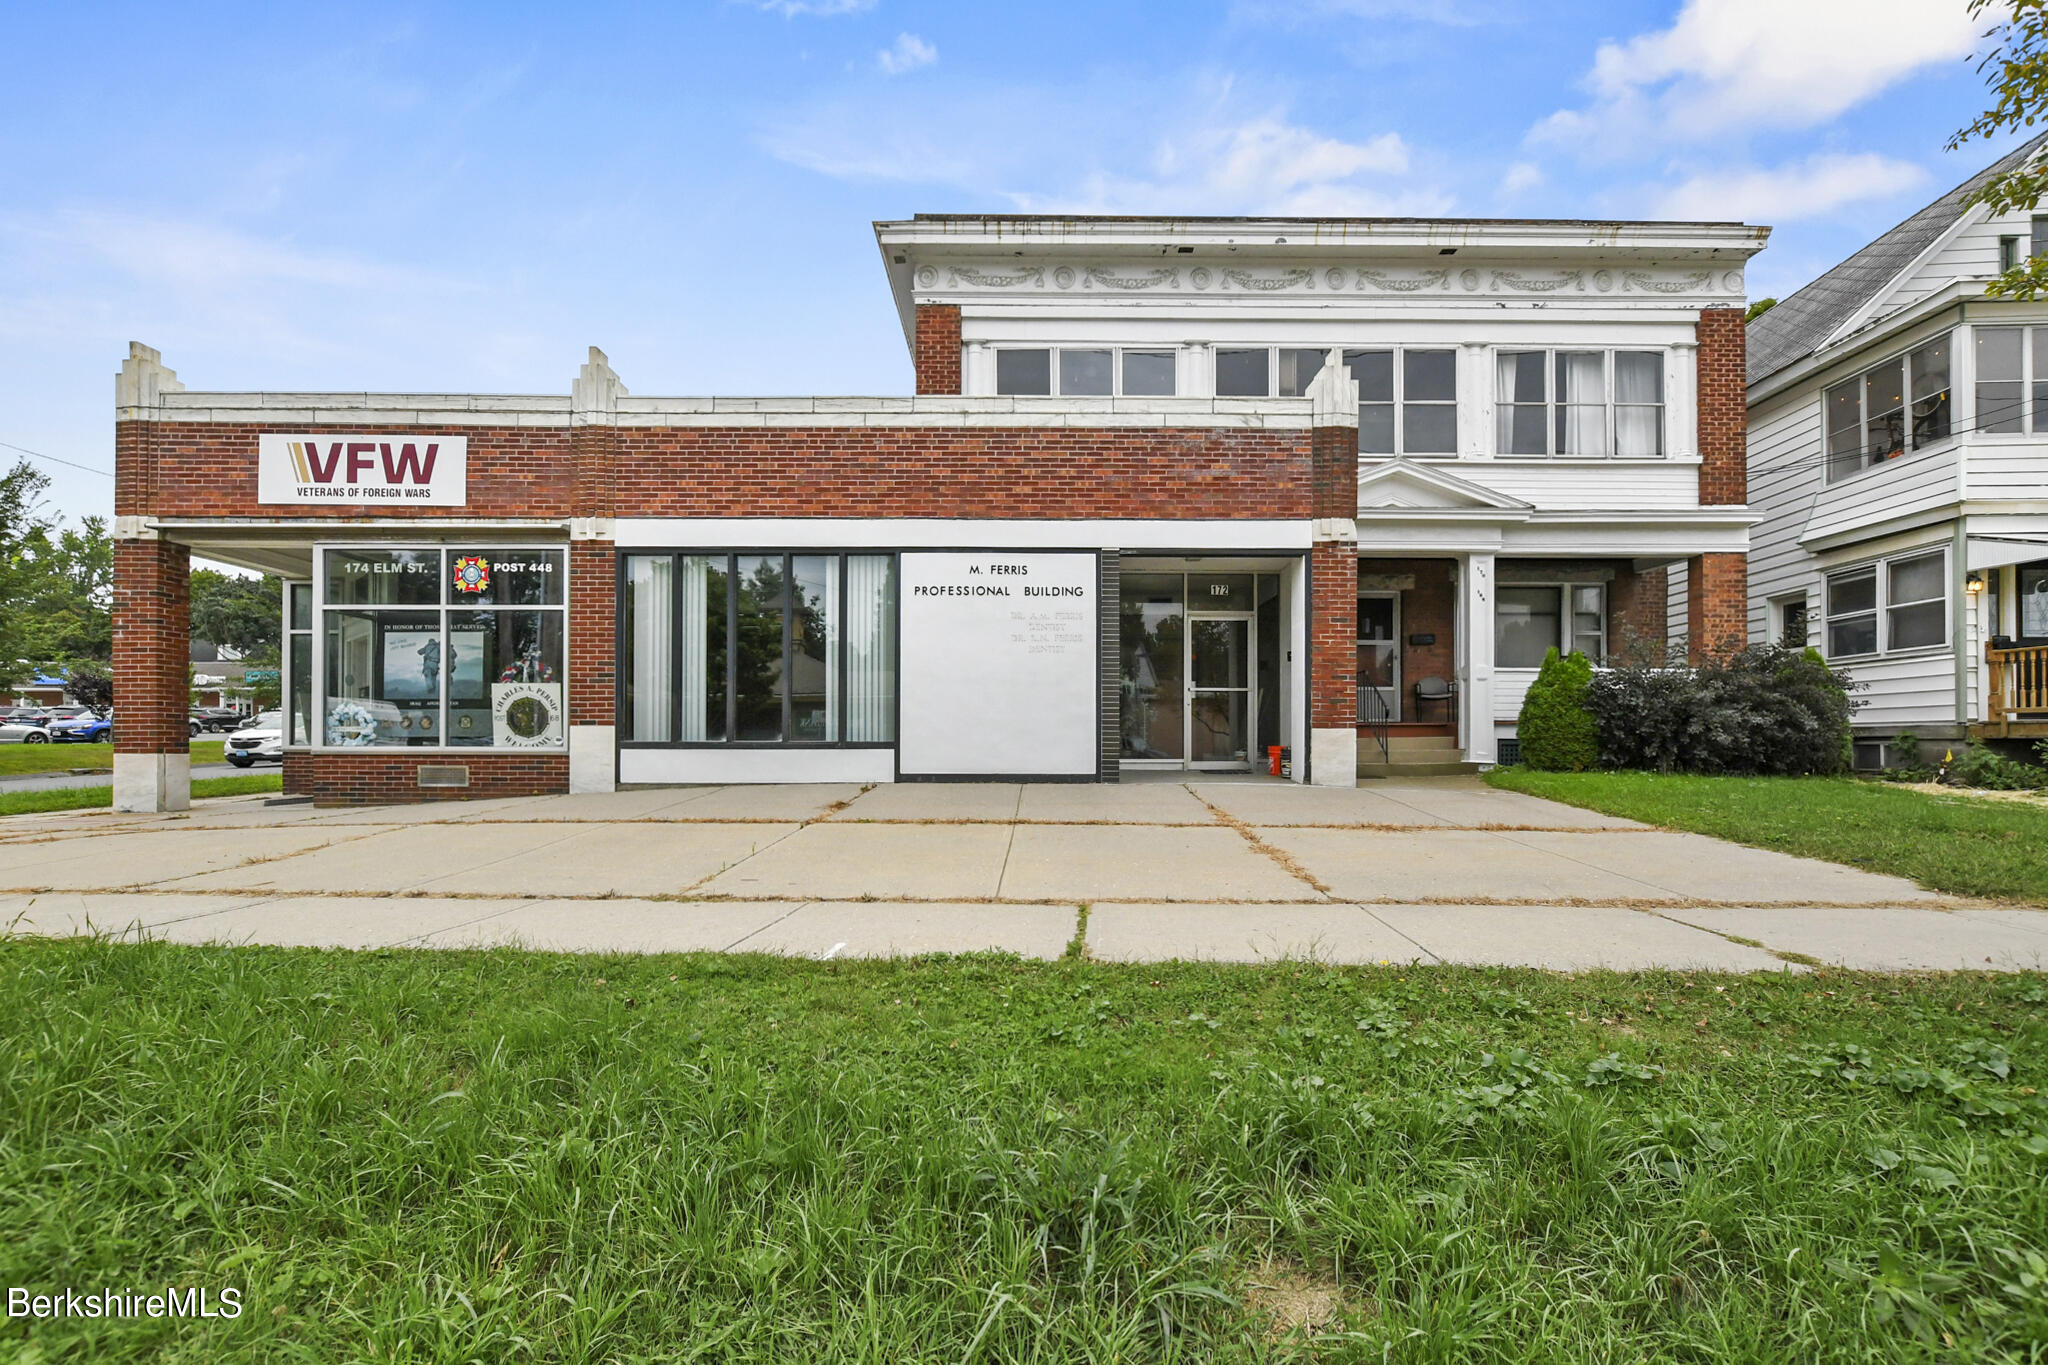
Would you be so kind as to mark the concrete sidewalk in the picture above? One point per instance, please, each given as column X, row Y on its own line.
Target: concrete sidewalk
column 1441, row 869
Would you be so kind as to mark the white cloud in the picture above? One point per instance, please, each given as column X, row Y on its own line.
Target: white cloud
column 907, row 53
column 1520, row 177
column 1727, row 64
column 1782, row 194
column 790, row 9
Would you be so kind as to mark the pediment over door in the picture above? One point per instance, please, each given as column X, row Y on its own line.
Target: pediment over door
column 1399, row 485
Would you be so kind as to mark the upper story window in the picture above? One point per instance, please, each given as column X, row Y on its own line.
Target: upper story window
column 2007, row 359
column 1423, row 420
column 1267, row 371
column 1870, row 418
column 1085, row 371
column 1585, row 403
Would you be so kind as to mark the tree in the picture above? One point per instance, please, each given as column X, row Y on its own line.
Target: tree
column 243, row 614
column 90, row 685
column 21, row 491
column 66, row 594
column 2018, row 61
column 1758, row 309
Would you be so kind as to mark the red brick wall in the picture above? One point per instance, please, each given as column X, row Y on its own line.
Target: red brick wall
column 1637, row 627
column 937, row 350
column 1333, row 481
column 1724, row 408
column 1429, row 608
column 593, row 602
column 378, row 778
column 1333, row 635
column 208, row 469
column 1052, row 473
column 152, row 646
column 592, row 451
column 298, row 774
column 1717, row 605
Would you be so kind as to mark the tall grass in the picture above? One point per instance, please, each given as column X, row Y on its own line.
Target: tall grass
column 506, row 1156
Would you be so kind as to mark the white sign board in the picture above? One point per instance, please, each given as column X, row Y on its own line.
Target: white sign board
column 431, row 471
column 999, row 664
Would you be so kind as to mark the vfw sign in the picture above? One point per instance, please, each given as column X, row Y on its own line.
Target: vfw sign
column 416, row 470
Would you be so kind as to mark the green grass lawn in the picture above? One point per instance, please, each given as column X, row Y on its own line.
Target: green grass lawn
column 87, row 798
column 508, row 1156
column 57, row 758
column 1964, row 845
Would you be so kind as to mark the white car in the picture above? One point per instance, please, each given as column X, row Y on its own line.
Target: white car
column 261, row 740
column 13, row 732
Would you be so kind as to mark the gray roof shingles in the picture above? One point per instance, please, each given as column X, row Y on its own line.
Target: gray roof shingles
column 1802, row 321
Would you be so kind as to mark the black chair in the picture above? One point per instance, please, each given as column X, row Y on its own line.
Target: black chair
column 1436, row 690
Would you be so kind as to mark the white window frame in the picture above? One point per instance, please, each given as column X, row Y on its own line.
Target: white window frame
column 1902, row 360
column 1881, row 570
column 1116, row 366
column 318, row 719
column 2033, row 392
column 1272, row 352
column 1565, row 613
column 1552, row 402
column 1401, row 404
column 1777, row 621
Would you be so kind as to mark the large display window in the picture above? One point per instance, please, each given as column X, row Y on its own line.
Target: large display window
column 757, row 648
column 441, row 647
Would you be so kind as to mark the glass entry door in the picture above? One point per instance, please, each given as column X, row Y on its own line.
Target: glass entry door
column 1379, row 651
column 1221, row 708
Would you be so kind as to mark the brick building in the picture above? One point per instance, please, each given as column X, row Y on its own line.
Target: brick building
column 1171, row 493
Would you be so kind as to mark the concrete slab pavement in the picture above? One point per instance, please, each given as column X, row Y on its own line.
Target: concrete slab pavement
column 329, row 922
column 1694, row 866
column 1568, row 938
column 840, row 861
column 1881, row 938
column 614, row 926
column 865, row 929
column 1457, row 864
column 1169, row 862
column 1245, row 933
column 937, row 801
column 611, row 860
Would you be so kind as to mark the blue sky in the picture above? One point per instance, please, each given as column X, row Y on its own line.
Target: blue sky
column 464, row 198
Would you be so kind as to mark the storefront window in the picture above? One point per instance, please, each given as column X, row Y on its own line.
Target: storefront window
column 764, row 648
column 298, row 671
column 433, row 648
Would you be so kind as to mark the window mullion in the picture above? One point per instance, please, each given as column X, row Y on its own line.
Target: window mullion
column 1400, row 371
column 788, row 640
column 732, row 649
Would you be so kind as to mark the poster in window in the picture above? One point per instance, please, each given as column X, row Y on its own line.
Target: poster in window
column 466, row 665
column 526, row 715
column 412, row 662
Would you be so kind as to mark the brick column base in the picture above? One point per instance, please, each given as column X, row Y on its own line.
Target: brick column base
column 1333, row 664
column 152, row 672
column 593, row 733
column 1717, row 605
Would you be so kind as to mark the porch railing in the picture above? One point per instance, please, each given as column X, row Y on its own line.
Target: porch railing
column 1374, row 715
column 2017, row 687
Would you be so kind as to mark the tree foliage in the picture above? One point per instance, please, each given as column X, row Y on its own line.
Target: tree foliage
column 244, row 614
column 21, row 491
column 2016, row 67
column 56, row 583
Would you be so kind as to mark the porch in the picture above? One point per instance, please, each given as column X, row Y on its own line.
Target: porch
column 2015, row 693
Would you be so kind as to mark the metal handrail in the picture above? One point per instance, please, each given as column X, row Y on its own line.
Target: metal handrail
column 1375, row 715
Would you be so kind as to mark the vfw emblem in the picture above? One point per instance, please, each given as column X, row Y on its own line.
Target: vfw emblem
column 472, row 574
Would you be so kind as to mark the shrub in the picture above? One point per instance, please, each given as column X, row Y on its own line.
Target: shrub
column 1982, row 766
column 1556, row 728
column 1769, row 709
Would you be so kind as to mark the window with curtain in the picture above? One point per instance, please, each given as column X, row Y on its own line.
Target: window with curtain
column 759, row 648
column 1587, row 404
column 1527, row 624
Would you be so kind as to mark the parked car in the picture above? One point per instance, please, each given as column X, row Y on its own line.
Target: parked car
column 260, row 741
column 216, row 719
column 23, row 732
column 28, row 715
column 68, row 711
column 86, row 728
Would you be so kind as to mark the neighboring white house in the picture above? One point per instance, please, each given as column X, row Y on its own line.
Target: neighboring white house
column 1898, row 456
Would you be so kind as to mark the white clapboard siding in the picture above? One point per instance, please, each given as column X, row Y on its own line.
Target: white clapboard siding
column 1900, row 694
column 1971, row 254
column 1605, row 485
column 1912, row 483
column 2007, row 469
column 1784, row 476
column 1510, row 685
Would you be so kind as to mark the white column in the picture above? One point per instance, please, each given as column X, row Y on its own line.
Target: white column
column 1475, row 641
column 1682, row 399
column 1475, row 403
column 152, row 782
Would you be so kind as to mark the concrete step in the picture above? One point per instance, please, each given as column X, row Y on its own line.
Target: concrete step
column 1400, row 768
column 1418, row 745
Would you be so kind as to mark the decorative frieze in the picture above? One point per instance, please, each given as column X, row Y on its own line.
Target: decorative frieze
column 1534, row 281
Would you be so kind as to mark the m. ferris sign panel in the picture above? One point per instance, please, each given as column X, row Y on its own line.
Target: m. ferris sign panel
column 415, row 470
